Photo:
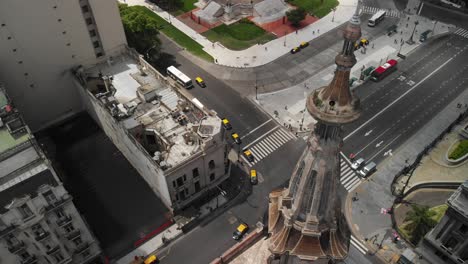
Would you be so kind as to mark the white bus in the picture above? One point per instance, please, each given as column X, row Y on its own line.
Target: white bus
column 181, row 78
column 376, row 18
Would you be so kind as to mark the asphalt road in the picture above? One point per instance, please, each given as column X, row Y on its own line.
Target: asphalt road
column 397, row 107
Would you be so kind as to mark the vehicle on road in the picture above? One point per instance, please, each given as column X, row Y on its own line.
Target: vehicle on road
column 248, row 155
column 200, row 82
column 384, row 70
column 303, row 44
column 357, row 164
column 240, row 231
column 391, row 30
column 361, row 43
column 295, row 50
column 376, row 18
column 423, row 36
column 253, row 177
column 151, row 260
column 368, row 169
column 179, row 77
column 236, row 138
column 226, row 124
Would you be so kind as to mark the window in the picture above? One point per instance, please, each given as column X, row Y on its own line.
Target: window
column 89, row 21
column 463, row 229
column 11, row 240
column 174, row 184
column 24, row 255
column 92, row 33
column 185, row 177
column 85, row 9
column 182, row 195
column 85, row 253
column 195, row 172
column 211, row 164
column 451, row 243
column 197, row 186
column 180, row 182
column 77, row 241
column 60, row 213
column 186, row 191
column 68, row 228
column 58, row 257
column 50, row 197
column 25, row 211
column 96, row 44
column 38, row 230
column 212, row 177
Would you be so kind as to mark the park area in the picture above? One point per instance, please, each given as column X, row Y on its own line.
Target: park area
column 240, row 35
column 318, row 8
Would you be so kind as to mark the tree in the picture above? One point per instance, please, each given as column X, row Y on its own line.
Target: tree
column 419, row 222
column 169, row 5
column 295, row 16
column 141, row 30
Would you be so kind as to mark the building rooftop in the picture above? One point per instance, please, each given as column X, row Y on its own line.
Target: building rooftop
column 169, row 123
column 459, row 199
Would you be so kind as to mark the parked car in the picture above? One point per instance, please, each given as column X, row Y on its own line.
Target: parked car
column 248, row 155
column 240, row 231
column 295, row 50
column 303, row 44
column 424, row 35
column 200, row 82
column 236, row 138
column 357, row 164
column 226, row 124
column 253, row 177
column 368, row 169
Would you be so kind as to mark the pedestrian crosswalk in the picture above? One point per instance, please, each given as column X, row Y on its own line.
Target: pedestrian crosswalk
column 268, row 145
column 359, row 245
column 373, row 10
column 349, row 178
column 461, row 32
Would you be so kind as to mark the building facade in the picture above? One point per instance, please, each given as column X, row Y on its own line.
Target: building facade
column 38, row 220
column 306, row 220
column 448, row 241
column 42, row 40
column 177, row 145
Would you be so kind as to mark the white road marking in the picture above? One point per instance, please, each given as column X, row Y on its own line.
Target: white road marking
column 398, row 99
column 255, row 129
column 359, row 246
column 372, row 141
column 384, row 147
column 260, row 137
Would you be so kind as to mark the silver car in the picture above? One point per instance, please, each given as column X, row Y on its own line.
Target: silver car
column 357, row 164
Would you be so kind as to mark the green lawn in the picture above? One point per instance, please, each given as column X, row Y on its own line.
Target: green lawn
column 189, row 5
column 460, row 150
column 178, row 36
column 315, row 7
column 239, row 36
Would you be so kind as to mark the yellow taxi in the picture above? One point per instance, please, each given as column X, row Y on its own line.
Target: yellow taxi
column 361, row 43
column 248, row 155
column 151, row 260
column 253, row 177
column 200, row 82
column 240, row 231
column 295, row 50
column 303, row 44
column 236, row 138
column 226, row 124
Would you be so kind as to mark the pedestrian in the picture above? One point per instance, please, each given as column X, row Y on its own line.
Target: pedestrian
column 296, row 32
column 408, row 18
column 395, row 41
column 318, row 31
column 313, row 32
column 401, row 32
column 212, row 45
column 406, row 25
column 216, row 60
column 265, row 48
column 401, row 40
column 372, row 45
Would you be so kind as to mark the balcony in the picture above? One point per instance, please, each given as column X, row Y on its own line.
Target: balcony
column 30, row 260
column 73, row 234
column 7, row 230
column 56, row 204
column 82, row 247
column 14, row 248
column 64, row 220
column 42, row 236
column 53, row 250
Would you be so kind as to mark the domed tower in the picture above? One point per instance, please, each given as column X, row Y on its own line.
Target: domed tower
column 306, row 222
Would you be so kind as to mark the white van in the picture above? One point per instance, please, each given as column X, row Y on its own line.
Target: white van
column 368, row 169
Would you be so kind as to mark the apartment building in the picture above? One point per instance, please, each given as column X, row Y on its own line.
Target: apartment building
column 42, row 40
column 38, row 220
column 176, row 144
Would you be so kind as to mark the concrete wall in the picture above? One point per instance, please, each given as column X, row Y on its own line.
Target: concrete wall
column 40, row 41
column 132, row 150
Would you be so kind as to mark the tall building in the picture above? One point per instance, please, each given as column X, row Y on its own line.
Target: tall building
column 448, row 242
column 175, row 143
column 40, row 41
column 306, row 221
column 38, row 220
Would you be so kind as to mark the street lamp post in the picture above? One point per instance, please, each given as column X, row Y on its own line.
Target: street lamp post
column 410, row 41
column 333, row 18
column 285, row 33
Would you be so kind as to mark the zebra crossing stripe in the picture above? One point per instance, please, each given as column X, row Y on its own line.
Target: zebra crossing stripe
column 352, row 187
column 358, row 245
column 258, row 152
column 347, row 180
column 346, row 176
column 272, row 143
column 258, row 149
column 265, row 146
column 282, row 136
column 345, row 170
column 351, row 183
column 342, row 163
column 278, row 138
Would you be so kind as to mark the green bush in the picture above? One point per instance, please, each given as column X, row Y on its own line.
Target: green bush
column 460, row 151
column 318, row 8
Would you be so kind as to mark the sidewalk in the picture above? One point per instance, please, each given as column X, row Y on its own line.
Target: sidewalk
column 258, row 55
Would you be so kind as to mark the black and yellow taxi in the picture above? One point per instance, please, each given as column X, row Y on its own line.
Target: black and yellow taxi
column 200, row 82
column 248, row 155
column 226, row 124
column 361, row 43
column 295, row 50
column 240, row 231
column 151, row 260
column 303, row 44
column 236, row 138
column 253, row 177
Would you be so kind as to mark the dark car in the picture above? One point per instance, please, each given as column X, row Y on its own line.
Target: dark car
column 295, row 50
column 226, row 124
column 248, row 155
column 240, row 231
column 303, row 44
column 424, row 35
